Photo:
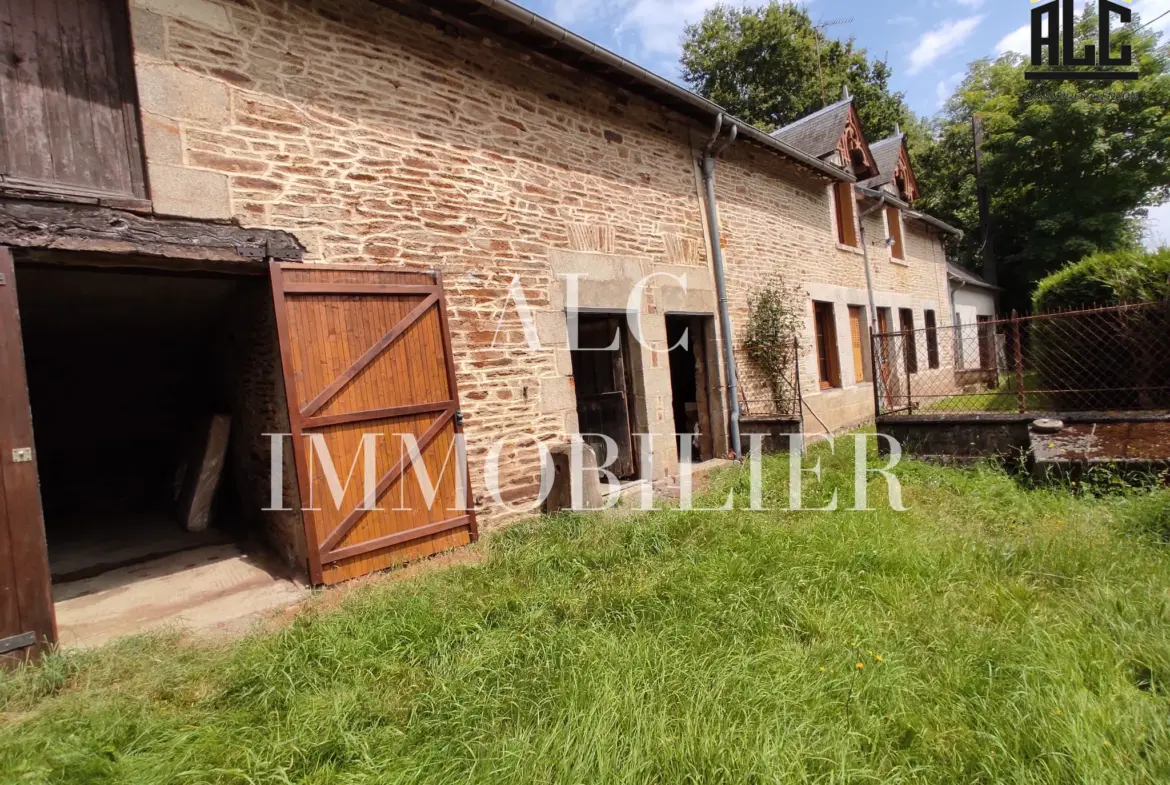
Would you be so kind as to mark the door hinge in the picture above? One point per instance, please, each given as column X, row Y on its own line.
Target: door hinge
column 3, row 280
column 459, row 418
column 22, row 641
column 22, row 455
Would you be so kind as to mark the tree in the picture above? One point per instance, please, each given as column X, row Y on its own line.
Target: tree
column 762, row 65
column 1070, row 166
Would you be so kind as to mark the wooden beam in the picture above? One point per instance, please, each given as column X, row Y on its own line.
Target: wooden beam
column 93, row 228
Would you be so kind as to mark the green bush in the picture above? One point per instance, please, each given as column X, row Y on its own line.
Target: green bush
column 1106, row 279
column 1106, row 360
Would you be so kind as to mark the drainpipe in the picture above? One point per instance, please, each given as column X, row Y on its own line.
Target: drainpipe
column 710, row 152
column 865, row 255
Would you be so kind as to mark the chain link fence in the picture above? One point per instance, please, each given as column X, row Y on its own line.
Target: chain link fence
column 1097, row 360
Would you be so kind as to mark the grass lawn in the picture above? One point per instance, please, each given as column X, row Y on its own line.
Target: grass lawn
column 991, row 634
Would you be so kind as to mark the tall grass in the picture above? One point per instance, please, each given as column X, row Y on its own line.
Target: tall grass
column 991, row 634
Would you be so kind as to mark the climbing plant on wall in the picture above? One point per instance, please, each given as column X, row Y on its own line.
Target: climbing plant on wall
column 770, row 341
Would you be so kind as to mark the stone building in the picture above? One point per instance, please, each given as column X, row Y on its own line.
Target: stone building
column 873, row 223
column 184, row 204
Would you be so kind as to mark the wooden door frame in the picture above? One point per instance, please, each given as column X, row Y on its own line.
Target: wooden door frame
column 22, row 525
column 301, row 417
column 624, row 371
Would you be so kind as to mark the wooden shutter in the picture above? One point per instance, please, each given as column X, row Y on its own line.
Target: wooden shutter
column 27, row 620
column 893, row 218
column 826, row 337
column 910, row 337
column 931, row 339
column 368, row 351
column 69, row 118
column 843, row 203
column 855, row 332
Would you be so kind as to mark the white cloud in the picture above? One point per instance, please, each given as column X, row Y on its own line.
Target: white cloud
column 658, row 24
column 1151, row 9
column 1158, row 227
column 940, row 42
column 970, row 3
column 1018, row 40
column 946, row 87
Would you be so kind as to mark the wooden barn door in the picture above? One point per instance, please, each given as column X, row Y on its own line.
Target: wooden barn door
column 367, row 359
column 27, row 621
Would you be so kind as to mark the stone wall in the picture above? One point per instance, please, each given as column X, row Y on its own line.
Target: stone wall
column 255, row 387
column 379, row 139
column 779, row 224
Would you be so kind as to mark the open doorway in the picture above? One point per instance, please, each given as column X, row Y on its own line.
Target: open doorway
column 690, row 383
column 604, row 388
column 151, row 394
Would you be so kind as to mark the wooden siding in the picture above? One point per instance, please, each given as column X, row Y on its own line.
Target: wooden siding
column 68, row 104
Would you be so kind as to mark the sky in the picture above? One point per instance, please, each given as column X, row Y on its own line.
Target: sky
column 927, row 43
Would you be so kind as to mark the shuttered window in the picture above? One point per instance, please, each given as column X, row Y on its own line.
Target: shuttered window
column 931, row 339
column 843, row 205
column 909, row 338
column 856, row 319
column 894, row 219
column 68, row 104
column 826, row 335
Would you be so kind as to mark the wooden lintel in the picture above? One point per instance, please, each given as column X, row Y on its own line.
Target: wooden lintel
column 98, row 229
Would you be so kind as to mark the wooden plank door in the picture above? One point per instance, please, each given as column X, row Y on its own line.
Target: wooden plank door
column 603, row 401
column 889, row 379
column 68, row 101
column 367, row 360
column 27, row 621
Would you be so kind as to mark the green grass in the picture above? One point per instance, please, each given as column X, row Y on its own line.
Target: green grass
column 1005, row 634
column 1004, row 398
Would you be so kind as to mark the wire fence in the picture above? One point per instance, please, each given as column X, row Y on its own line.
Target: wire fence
column 1098, row 360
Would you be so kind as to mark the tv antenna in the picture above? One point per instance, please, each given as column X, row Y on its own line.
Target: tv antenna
column 817, row 28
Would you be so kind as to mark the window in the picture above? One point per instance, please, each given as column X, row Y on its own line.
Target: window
column 931, row 339
column 856, row 320
column 843, row 205
column 826, row 334
column 906, row 320
column 69, row 123
column 894, row 219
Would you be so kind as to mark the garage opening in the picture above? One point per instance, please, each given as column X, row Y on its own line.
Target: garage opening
column 690, row 384
column 152, row 393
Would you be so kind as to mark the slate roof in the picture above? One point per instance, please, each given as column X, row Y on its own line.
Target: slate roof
column 957, row 273
column 818, row 133
column 885, row 155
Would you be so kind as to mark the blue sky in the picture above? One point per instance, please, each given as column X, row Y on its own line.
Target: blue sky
column 928, row 43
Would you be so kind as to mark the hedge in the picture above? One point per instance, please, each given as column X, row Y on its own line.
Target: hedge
column 1115, row 360
column 1106, row 279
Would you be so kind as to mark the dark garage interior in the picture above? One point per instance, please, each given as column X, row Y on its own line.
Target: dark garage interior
column 126, row 370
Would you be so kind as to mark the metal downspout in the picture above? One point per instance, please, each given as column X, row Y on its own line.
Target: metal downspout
column 865, row 256
column 710, row 152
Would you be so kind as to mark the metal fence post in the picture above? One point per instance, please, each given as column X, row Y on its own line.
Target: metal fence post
column 876, row 371
column 1021, row 394
column 906, row 337
column 799, row 391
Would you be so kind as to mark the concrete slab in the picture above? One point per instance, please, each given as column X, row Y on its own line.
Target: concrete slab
column 218, row 588
column 1126, row 446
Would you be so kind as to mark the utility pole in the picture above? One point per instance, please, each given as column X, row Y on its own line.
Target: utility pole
column 990, row 274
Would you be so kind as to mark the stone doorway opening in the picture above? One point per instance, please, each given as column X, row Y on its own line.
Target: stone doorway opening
column 692, row 374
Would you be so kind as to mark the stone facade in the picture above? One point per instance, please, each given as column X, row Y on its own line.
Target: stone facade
column 779, row 224
column 379, row 139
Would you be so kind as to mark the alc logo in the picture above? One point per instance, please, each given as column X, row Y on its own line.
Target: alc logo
column 1054, row 42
